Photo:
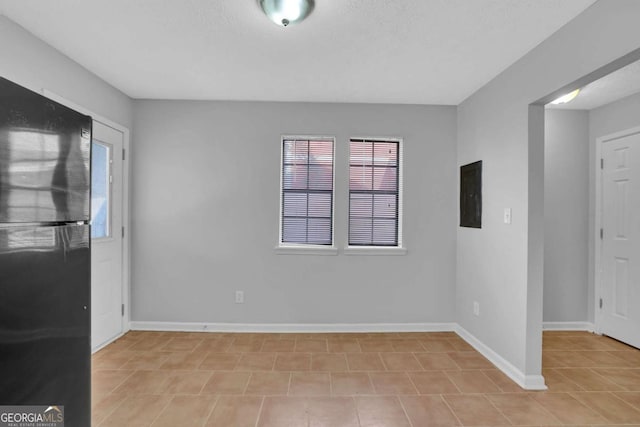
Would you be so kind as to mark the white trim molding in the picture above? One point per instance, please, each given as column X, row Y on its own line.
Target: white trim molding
column 286, row 248
column 107, row 342
column 400, row 249
column 527, row 382
column 292, row 327
column 568, row 326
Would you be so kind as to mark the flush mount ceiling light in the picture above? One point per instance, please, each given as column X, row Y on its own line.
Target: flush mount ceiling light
column 566, row 98
column 285, row 12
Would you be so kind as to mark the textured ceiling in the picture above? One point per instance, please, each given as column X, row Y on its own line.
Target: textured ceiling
column 610, row 88
column 387, row 51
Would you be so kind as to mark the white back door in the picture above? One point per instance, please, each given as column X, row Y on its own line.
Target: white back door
column 106, row 235
column 620, row 260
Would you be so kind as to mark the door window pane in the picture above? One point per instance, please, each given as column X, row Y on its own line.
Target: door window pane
column 100, row 190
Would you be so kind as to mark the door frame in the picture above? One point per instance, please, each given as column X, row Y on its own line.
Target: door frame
column 126, row 241
column 597, row 242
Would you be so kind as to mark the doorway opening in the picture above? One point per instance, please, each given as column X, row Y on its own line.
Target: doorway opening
column 592, row 202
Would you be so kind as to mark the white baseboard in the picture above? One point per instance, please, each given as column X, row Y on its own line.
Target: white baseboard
column 292, row 327
column 109, row 341
column 568, row 326
column 528, row 382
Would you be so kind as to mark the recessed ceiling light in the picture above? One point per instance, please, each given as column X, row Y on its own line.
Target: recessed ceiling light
column 285, row 12
column 566, row 98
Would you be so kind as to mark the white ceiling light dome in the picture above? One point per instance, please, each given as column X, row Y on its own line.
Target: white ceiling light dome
column 286, row 12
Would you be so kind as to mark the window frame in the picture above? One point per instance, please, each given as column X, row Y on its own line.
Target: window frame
column 287, row 248
column 399, row 248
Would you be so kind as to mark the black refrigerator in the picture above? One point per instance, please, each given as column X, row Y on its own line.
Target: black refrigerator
column 45, row 280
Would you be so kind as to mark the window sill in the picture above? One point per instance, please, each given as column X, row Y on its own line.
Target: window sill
column 374, row 250
column 306, row 250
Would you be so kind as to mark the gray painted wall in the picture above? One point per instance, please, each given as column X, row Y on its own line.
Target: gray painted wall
column 615, row 117
column 566, row 214
column 32, row 63
column 500, row 266
column 611, row 118
column 206, row 205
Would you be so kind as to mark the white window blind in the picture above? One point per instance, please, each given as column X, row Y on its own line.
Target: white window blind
column 374, row 192
column 307, row 191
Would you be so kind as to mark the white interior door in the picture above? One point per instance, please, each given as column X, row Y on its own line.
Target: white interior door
column 106, row 235
column 620, row 280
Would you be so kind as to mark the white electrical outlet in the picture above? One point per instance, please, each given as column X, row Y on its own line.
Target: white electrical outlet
column 507, row 215
column 239, row 297
column 476, row 308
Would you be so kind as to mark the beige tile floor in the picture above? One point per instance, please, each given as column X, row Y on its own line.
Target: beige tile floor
column 374, row 380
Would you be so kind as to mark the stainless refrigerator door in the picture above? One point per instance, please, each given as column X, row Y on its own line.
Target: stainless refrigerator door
column 44, row 158
column 45, row 319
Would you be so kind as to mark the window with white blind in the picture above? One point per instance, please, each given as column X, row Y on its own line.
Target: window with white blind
column 306, row 210
column 375, row 192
